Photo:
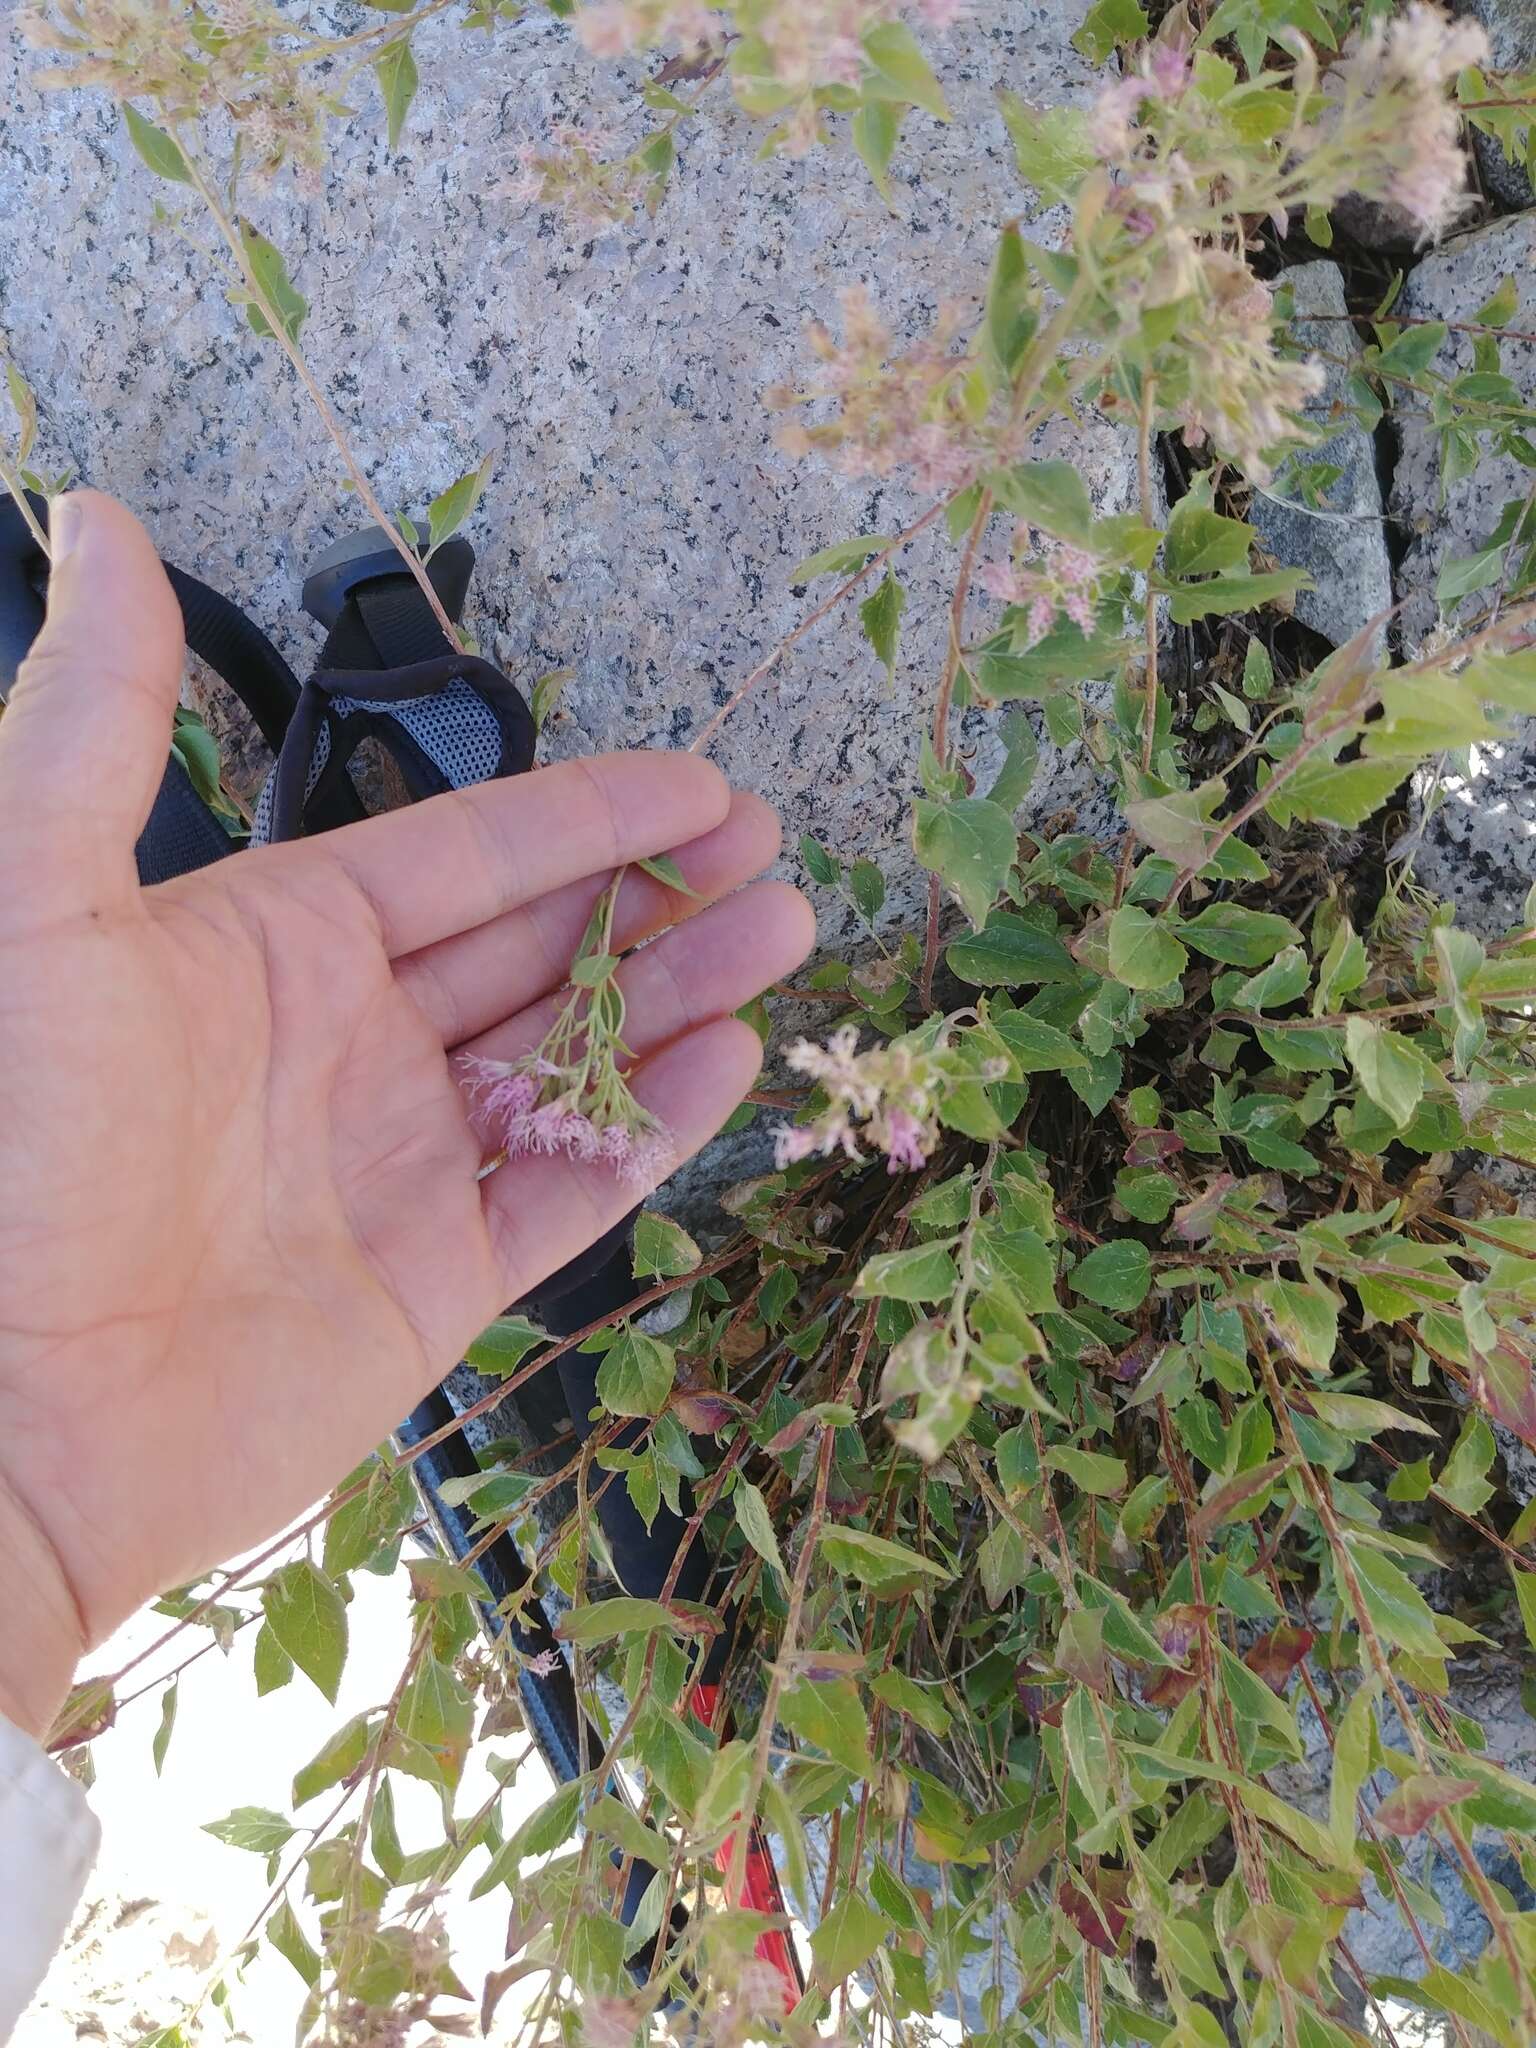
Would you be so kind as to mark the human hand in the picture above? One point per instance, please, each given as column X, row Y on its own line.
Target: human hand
column 241, row 1230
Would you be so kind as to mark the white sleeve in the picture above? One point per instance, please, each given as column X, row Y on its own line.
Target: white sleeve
column 48, row 1842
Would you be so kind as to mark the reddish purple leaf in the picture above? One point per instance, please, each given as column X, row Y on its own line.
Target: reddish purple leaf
column 1417, row 1801
column 1276, row 1655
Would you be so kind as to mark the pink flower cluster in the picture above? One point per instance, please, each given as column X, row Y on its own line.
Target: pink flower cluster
column 1162, row 73
column 896, row 409
column 887, row 1097
column 1062, row 579
column 1396, row 107
column 517, row 1110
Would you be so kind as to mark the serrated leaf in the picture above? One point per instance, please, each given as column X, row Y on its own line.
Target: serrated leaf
column 1011, row 952
column 900, row 70
column 636, row 1374
column 971, row 845
column 502, row 1346
column 921, row 1273
column 306, row 1614
column 885, row 1567
column 880, row 616
column 662, row 1248
column 1116, row 1275
column 606, row 1621
column 1236, row 936
column 1143, row 953
column 846, row 1939
column 874, row 131
column 256, row 1828
column 1386, row 1066
column 1050, row 495
column 829, row 1713
column 292, row 1944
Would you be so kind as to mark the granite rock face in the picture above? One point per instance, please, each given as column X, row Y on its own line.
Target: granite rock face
column 1511, row 27
column 1477, row 844
column 1341, row 543
column 641, row 526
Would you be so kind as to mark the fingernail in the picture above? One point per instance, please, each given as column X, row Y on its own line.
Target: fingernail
column 65, row 518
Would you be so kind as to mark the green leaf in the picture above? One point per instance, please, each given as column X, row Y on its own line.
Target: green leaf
column 449, row 509
column 1011, row 952
column 662, row 1247
column 636, row 1374
column 305, row 1612
column 1335, row 793
column 920, row 1703
column 256, row 1828
column 1386, row 1066
column 820, row 865
column 606, row 1621
column 1461, row 1480
column 1358, row 1415
column 292, row 1944
column 1525, row 1594
column 336, row 1759
column 1016, row 776
column 829, row 1713
column 1089, row 1471
column 1082, row 1737
column 270, row 276
column 1201, row 542
column 885, row 1567
column 971, row 844
column 1238, row 937
column 1220, row 594
column 272, row 1664
column 160, row 151
column 880, row 616
column 840, row 557
column 395, row 69
column 1143, row 953
column 437, row 1713
column 1306, row 1320
column 1352, row 1750
column 1037, row 1047
column 1050, row 146
column 1050, row 495
column 921, row 1273
column 901, row 71
column 846, row 1939
column 1174, row 826
column 1116, row 1275
column 756, row 1524
column 874, row 130
column 1146, row 1193
column 546, row 694
column 502, row 1346
column 162, row 1741
column 1396, row 1607
column 1106, row 25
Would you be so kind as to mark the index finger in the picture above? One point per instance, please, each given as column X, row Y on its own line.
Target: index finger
column 452, row 862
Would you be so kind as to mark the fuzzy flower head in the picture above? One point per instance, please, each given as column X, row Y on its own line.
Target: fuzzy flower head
column 896, row 409
column 1160, row 76
column 576, row 1106
column 1395, row 126
column 1059, row 579
column 577, row 169
column 887, row 1098
column 1243, row 397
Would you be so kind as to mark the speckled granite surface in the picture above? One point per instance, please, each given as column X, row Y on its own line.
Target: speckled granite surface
column 1478, row 845
column 641, row 526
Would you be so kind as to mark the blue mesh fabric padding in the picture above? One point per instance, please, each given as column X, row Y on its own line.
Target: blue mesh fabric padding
column 455, row 728
column 261, row 821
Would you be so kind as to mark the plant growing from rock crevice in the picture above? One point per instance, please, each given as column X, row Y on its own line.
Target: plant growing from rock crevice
column 1083, row 1404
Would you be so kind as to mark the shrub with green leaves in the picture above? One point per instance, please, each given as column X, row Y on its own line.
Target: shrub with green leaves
column 1098, row 1403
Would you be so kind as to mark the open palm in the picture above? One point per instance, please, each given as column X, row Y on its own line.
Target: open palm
column 241, row 1224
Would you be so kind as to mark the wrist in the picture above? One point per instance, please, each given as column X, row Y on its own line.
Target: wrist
column 43, row 1638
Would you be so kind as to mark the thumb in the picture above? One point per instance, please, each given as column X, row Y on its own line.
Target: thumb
column 84, row 739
